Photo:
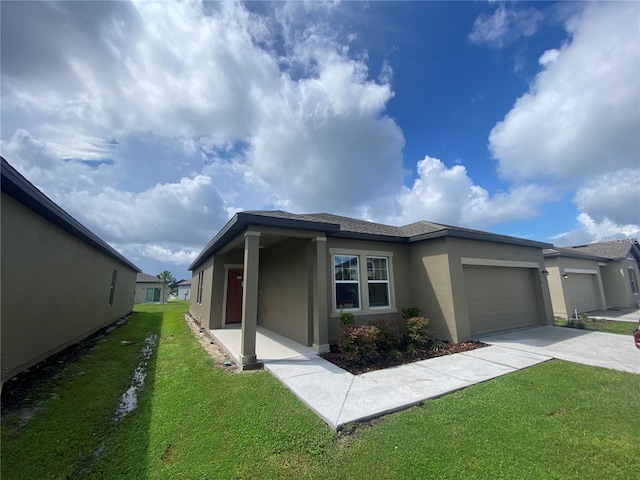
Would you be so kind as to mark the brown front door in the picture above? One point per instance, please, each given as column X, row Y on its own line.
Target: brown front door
column 234, row 295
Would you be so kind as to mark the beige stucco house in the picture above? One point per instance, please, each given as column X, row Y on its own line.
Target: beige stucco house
column 293, row 274
column 575, row 281
column 592, row 277
column 149, row 289
column 620, row 275
column 60, row 282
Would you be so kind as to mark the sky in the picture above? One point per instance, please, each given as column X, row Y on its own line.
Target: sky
column 153, row 123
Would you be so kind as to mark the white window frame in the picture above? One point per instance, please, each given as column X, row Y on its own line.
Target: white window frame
column 347, row 282
column 385, row 282
column 363, row 282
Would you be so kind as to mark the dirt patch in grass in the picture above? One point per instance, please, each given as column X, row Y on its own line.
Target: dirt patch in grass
column 381, row 362
column 220, row 358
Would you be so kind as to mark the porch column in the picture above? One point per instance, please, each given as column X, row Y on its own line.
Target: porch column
column 250, row 299
column 320, row 317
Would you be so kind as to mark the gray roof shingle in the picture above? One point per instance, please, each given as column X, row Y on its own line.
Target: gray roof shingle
column 345, row 227
column 146, row 278
column 614, row 249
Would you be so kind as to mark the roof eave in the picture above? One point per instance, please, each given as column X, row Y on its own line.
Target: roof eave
column 485, row 237
column 23, row 191
column 242, row 220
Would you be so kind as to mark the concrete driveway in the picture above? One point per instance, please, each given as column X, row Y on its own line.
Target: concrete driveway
column 607, row 350
column 619, row 314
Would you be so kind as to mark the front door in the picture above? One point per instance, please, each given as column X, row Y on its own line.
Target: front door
column 234, row 295
column 149, row 297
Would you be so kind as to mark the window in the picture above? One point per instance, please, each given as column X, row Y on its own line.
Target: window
column 199, row 290
column 362, row 281
column 346, row 274
column 112, row 289
column 378, row 281
column 634, row 281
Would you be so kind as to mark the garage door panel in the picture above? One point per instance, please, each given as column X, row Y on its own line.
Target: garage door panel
column 499, row 298
column 581, row 291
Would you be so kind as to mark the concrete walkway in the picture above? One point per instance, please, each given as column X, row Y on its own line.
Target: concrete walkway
column 339, row 397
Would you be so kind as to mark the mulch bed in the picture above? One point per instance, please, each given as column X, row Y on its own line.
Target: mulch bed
column 381, row 362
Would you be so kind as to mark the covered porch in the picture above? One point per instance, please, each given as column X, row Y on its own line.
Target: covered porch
column 270, row 346
column 269, row 295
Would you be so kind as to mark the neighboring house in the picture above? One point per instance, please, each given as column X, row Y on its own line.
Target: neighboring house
column 60, row 282
column 184, row 290
column 620, row 275
column 575, row 281
column 149, row 289
column 294, row 274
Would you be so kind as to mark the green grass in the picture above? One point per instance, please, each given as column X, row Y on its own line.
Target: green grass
column 601, row 325
column 554, row 420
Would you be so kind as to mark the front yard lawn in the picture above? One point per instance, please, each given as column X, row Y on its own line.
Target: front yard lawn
column 554, row 420
column 598, row 325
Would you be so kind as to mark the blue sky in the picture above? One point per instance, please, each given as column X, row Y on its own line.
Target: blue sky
column 154, row 122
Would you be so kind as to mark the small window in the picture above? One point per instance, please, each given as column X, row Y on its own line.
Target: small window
column 378, row 280
column 347, row 282
column 200, row 285
column 112, row 290
column 633, row 280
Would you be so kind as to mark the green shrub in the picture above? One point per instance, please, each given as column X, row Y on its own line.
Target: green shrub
column 437, row 345
column 417, row 333
column 389, row 337
column 395, row 354
column 573, row 323
column 359, row 343
column 347, row 318
column 410, row 312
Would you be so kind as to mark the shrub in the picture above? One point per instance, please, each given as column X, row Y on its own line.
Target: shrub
column 389, row 337
column 410, row 312
column 359, row 343
column 417, row 332
column 347, row 318
column 572, row 323
column 395, row 354
column 437, row 345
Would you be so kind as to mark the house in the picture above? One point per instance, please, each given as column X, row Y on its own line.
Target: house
column 184, row 290
column 575, row 281
column 620, row 274
column 60, row 282
column 149, row 289
column 295, row 273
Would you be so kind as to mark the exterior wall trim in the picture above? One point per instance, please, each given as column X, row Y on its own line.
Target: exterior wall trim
column 580, row 270
column 490, row 262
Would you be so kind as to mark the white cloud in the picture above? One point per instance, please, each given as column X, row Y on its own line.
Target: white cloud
column 592, row 231
column 504, row 26
column 305, row 119
column 186, row 212
column 449, row 196
column 181, row 257
column 580, row 117
column 614, row 196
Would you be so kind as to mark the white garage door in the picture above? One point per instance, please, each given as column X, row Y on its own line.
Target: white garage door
column 499, row 299
column 581, row 292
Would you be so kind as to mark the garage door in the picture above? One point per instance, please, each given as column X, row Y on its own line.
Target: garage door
column 499, row 299
column 581, row 291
